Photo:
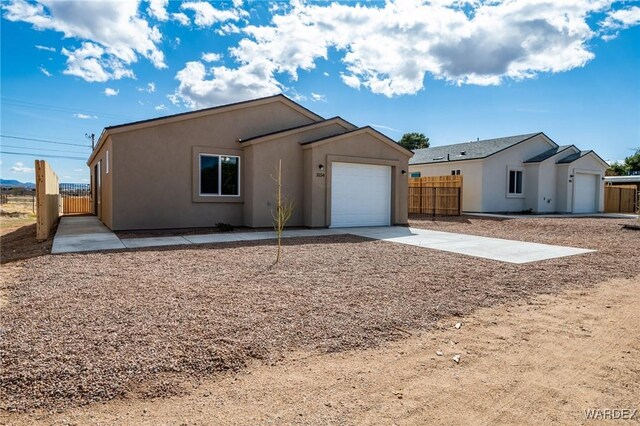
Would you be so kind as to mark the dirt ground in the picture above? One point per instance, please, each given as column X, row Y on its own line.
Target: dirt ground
column 18, row 240
column 138, row 325
column 542, row 362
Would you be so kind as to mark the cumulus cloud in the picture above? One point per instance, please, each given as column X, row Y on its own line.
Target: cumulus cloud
column 388, row 48
column 200, row 87
column 44, row 71
column 92, row 63
column 158, row 9
column 619, row 20
column 181, row 18
column 161, row 107
column 49, row 49
column 85, row 116
column 206, row 15
column 20, row 168
column 211, row 57
column 111, row 92
column 113, row 34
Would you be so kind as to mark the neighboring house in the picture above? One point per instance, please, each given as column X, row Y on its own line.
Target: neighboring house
column 518, row 173
column 215, row 165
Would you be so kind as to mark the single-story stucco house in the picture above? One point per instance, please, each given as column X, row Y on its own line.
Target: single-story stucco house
column 215, row 165
column 519, row 173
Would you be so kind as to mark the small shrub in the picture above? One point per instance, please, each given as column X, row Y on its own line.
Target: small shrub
column 224, row 227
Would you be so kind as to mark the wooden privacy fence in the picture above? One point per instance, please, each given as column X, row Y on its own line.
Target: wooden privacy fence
column 76, row 198
column 620, row 199
column 436, row 195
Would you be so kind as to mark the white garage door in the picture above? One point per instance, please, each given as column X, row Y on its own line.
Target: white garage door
column 584, row 200
column 360, row 195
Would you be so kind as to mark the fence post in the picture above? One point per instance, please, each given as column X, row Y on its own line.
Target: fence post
column 435, row 195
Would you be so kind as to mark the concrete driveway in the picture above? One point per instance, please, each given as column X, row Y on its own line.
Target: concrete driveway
column 87, row 233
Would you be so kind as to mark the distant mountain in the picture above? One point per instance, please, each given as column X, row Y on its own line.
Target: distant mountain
column 16, row 183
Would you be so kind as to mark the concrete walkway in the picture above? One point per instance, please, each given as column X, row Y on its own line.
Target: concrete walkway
column 87, row 233
column 471, row 245
column 83, row 233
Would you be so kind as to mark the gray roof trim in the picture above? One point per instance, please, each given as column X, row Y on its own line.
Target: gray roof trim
column 548, row 154
column 483, row 149
column 578, row 155
column 365, row 129
column 332, row 120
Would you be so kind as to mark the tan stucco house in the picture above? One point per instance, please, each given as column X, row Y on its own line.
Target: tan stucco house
column 519, row 173
column 203, row 167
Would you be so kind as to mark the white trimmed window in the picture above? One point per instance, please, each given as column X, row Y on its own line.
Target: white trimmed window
column 515, row 182
column 219, row 175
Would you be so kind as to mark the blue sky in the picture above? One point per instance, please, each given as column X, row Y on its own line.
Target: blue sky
column 454, row 70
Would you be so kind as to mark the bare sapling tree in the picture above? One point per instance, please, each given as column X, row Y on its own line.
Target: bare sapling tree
column 282, row 211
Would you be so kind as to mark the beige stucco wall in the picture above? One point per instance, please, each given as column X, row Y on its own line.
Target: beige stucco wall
column 107, row 182
column 471, row 170
column 262, row 159
column 362, row 148
column 153, row 181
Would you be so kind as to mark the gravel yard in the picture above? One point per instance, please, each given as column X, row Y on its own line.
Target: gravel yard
column 81, row 328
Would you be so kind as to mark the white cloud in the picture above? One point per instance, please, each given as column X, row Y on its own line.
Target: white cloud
column 91, row 63
column 211, row 57
column 44, row 71
column 388, row 48
column 326, row 74
column 181, row 18
column 20, row 168
column 111, row 30
column 85, row 116
column 49, row 49
column 158, row 9
column 200, row 88
column 318, row 97
column 111, row 92
column 161, row 107
column 149, row 88
column 619, row 20
column 207, row 15
column 79, row 170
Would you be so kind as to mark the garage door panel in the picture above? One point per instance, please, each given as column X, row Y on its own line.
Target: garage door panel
column 584, row 200
column 360, row 195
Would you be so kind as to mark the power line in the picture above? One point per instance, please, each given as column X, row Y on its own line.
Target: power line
column 46, row 137
column 40, row 149
column 34, row 105
column 43, row 140
column 43, row 155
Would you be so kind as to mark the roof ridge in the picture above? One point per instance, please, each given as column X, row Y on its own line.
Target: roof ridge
column 522, row 136
column 323, row 121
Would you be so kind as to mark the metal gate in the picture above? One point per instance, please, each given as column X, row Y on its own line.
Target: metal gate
column 75, row 198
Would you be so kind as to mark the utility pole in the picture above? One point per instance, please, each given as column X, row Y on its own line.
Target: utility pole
column 93, row 139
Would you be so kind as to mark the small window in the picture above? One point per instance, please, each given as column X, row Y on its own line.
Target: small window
column 515, row 182
column 107, row 161
column 219, row 175
column 415, row 174
column 455, row 172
